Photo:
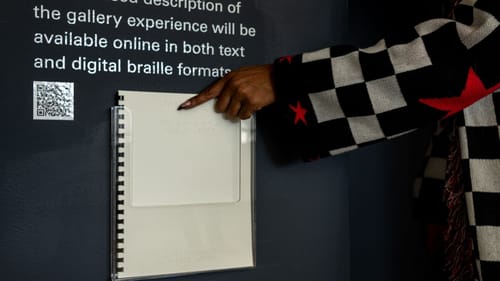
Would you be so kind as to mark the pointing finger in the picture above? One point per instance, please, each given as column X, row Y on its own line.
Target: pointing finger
column 209, row 93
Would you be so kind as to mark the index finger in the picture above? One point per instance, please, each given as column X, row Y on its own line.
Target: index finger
column 207, row 94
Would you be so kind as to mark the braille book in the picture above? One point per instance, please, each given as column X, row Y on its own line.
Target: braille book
column 182, row 188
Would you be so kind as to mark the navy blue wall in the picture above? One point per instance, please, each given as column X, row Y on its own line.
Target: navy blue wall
column 342, row 218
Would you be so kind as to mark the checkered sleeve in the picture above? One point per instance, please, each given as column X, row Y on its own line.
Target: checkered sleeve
column 479, row 133
column 343, row 97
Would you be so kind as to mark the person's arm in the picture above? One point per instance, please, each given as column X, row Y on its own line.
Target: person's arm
column 240, row 93
column 340, row 98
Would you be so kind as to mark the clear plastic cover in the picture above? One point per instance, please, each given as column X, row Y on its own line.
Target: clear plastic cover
column 182, row 188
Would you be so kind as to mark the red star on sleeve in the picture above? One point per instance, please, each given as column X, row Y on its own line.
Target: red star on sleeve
column 300, row 113
column 473, row 91
column 286, row 58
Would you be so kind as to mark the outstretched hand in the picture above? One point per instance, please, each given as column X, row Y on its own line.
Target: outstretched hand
column 239, row 93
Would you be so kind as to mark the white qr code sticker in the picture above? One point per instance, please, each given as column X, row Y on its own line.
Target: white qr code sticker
column 53, row 100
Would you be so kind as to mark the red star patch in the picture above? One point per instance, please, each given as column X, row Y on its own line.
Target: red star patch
column 300, row 113
column 286, row 58
column 473, row 91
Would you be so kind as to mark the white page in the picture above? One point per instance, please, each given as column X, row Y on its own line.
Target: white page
column 181, row 157
column 171, row 239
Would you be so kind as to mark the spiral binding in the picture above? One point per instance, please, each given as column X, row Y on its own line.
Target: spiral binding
column 119, row 187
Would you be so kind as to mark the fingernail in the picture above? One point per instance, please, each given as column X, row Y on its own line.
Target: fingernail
column 184, row 105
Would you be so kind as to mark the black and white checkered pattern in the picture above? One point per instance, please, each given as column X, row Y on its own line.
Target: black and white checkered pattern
column 480, row 146
column 355, row 97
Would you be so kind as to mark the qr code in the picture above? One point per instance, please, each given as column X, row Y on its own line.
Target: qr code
column 53, row 100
